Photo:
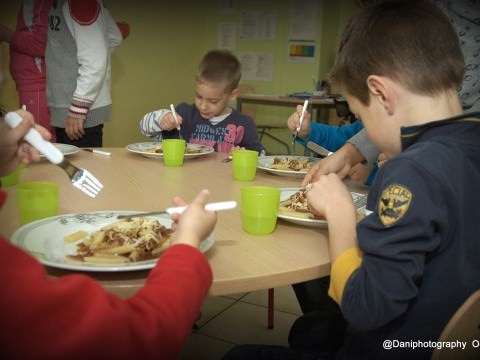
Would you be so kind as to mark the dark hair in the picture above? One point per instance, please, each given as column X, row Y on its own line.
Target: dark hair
column 411, row 42
column 220, row 66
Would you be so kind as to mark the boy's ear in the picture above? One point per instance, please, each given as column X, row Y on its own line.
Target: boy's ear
column 234, row 94
column 381, row 91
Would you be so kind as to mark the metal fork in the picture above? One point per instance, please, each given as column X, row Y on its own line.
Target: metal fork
column 227, row 159
column 359, row 200
column 80, row 178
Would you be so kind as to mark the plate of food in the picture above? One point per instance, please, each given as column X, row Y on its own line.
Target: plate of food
column 98, row 241
column 65, row 149
column 154, row 149
column 294, row 208
column 286, row 165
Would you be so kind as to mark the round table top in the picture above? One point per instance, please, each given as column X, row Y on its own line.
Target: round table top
column 240, row 262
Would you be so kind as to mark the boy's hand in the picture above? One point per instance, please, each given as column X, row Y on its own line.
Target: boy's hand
column 196, row 223
column 340, row 162
column 360, row 172
column 330, row 197
column 335, row 163
column 327, row 195
column 74, row 128
column 167, row 122
column 294, row 120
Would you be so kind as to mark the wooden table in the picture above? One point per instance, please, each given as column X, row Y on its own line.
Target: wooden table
column 313, row 104
column 240, row 262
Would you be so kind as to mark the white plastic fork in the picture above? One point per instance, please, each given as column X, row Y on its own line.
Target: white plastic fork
column 80, row 178
column 215, row 206
column 305, row 105
column 174, row 113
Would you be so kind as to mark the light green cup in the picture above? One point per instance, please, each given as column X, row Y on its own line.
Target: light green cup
column 36, row 200
column 244, row 164
column 13, row 177
column 173, row 152
column 259, row 209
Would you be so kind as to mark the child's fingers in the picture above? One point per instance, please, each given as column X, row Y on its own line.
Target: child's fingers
column 201, row 198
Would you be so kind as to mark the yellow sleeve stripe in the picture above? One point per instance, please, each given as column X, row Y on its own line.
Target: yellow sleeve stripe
column 345, row 264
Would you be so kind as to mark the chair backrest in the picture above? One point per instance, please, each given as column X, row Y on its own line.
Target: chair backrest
column 463, row 326
column 343, row 111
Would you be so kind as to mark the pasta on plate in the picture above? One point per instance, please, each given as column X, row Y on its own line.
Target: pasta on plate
column 188, row 149
column 296, row 205
column 285, row 163
column 128, row 240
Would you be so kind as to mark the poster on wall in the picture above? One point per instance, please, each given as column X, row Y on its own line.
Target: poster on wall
column 301, row 51
column 256, row 66
column 258, row 25
column 227, row 36
column 304, row 19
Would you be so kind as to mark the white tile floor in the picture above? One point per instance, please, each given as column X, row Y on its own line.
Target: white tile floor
column 240, row 319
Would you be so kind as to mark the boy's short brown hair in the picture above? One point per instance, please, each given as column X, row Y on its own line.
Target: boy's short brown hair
column 220, row 66
column 411, row 42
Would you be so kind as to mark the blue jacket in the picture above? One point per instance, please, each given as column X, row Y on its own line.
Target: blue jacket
column 420, row 243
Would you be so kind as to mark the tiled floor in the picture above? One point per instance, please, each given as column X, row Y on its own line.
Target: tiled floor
column 240, row 319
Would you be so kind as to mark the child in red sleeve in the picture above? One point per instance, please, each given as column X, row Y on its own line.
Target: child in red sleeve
column 73, row 317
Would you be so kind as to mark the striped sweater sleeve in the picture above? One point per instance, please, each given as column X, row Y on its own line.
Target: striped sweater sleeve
column 150, row 124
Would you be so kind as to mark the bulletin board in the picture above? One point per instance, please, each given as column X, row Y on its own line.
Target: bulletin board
column 276, row 41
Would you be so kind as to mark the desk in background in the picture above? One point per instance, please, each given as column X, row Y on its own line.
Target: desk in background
column 315, row 107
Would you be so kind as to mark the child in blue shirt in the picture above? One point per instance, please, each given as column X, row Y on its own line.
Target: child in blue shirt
column 331, row 138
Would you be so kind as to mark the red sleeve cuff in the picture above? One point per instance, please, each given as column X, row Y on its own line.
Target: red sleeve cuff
column 124, row 29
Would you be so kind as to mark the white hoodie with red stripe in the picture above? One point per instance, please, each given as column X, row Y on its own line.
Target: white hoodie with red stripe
column 81, row 37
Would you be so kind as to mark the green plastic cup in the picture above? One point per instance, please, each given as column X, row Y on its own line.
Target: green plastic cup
column 36, row 200
column 173, row 152
column 12, row 178
column 259, row 209
column 244, row 164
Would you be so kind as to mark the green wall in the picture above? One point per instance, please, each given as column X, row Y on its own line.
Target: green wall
column 288, row 77
column 155, row 66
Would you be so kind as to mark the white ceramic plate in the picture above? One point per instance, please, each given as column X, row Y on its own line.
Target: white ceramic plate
column 66, row 149
column 43, row 239
column 286, row 192
column 141, row 148
column 264, row 162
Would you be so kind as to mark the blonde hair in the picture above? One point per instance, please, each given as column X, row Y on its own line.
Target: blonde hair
column 220, row 66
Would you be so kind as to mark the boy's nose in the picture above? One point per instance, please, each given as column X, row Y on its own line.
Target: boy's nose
column 203, row 105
